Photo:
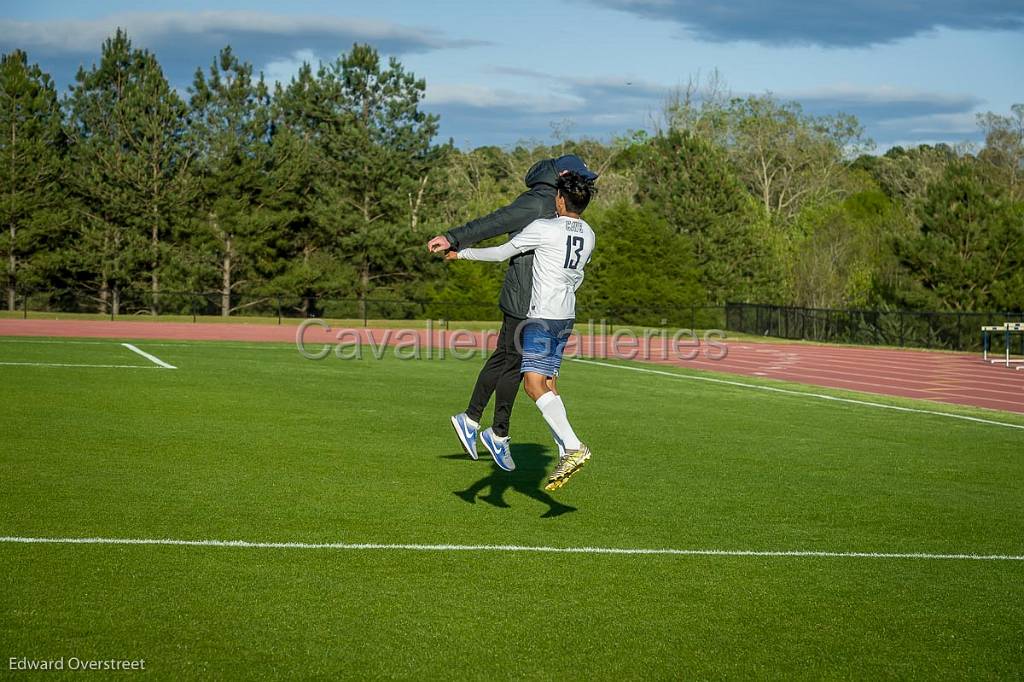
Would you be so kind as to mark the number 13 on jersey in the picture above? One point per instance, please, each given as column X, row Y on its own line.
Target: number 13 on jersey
column 573, row 251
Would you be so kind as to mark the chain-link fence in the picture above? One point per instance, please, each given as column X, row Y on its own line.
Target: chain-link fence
column 131, row 303
column 903, row 328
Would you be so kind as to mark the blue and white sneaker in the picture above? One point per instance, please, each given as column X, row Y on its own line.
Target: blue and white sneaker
column 500, row 449
column 466, row 429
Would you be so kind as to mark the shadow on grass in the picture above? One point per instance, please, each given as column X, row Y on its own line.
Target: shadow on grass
column 532, row 464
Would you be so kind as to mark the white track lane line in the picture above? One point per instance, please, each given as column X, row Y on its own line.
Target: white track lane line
column 267, row 345
column 149, row 357
column 819, row 396
column 245, row 544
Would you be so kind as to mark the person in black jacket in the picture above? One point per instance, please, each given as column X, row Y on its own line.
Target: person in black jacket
column 500, row 375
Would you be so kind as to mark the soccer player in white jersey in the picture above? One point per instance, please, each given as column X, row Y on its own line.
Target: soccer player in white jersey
column 561, row 249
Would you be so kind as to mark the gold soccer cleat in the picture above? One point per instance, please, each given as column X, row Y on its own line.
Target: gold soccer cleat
column 567, row 466
column 554, row 484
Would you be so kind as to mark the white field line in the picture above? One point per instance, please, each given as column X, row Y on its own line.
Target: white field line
column 149, row 357
column 67, row 364
column 366, row 546
column 819, row 396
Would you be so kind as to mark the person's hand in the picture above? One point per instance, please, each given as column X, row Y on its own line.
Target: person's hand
column 438, row 243
column 451, row 255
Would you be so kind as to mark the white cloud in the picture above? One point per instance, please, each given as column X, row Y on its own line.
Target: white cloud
column 935, row 124
column 184, row 41
column 151, row 28
column 613, row 104
column 483, row 97
column 881, row 94
column 282, row 70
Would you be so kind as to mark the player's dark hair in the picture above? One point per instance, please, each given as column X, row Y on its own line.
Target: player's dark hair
column 576, row 190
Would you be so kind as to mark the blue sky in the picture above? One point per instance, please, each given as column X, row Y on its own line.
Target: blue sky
column 913, row 71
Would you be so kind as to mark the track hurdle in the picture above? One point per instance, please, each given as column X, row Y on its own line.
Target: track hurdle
column 1008, row 329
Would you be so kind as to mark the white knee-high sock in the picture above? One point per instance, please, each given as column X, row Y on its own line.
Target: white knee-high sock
column 551, row 406
column 559, row 443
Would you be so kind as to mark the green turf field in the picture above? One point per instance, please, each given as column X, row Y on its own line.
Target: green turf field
column 252, row 442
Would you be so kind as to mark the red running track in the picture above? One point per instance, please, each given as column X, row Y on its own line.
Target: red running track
column 944, row 377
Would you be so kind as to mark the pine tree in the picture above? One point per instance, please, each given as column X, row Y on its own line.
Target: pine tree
column 968, row 253
column 131, row 157
column 307, row 260
column 642, row 269
column 231, row 123
column 31, row 195
column 687, row 180
column 374, row 161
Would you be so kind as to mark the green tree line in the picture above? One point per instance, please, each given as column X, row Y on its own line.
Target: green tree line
column 330, row 185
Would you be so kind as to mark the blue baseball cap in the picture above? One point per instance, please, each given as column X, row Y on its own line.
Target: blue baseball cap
column 571, row 162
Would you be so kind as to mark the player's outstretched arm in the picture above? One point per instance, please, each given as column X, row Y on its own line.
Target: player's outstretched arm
column 527, row 240
column 527, row 207
column 494, row 254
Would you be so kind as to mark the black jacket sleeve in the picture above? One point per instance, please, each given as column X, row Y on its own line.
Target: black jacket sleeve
column 527, row 207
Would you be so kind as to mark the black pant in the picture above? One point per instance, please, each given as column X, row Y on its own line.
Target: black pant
column 499, row 376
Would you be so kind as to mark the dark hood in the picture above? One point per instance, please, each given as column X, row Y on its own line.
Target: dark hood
column 546, row 172
column 542, row 173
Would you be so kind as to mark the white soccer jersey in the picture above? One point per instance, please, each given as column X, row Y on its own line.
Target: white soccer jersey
column 561, row 248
